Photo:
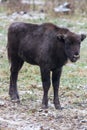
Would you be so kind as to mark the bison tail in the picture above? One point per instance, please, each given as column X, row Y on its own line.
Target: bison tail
column 8, row 54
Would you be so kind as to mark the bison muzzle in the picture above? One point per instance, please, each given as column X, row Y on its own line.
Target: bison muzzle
column 45, row 45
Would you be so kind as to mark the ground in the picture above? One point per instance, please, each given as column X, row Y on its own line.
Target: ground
column 28, row 115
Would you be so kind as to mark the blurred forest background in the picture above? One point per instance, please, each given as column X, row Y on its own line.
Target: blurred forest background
column 52, row 7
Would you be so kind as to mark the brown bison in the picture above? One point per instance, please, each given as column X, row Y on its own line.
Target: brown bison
column 45, row 45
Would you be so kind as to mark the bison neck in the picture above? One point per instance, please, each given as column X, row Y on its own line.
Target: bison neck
column 59, row 57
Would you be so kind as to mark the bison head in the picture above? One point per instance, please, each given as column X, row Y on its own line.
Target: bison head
column 72, row 44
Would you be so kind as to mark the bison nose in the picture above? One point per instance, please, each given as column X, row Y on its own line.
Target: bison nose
column 76, row 55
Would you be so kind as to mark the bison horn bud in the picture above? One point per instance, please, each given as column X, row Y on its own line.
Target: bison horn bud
column 61, row 37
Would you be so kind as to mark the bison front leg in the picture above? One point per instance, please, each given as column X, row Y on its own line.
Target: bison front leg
column 56, row 80
column 45, row 76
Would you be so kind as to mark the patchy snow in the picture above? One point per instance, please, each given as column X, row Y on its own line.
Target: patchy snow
column 36, row 2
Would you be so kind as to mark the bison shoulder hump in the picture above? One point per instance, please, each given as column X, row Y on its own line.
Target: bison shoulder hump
column 16, row 26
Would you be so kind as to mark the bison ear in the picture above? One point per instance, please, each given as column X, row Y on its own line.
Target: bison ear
column 61, row 37
column 83, row 36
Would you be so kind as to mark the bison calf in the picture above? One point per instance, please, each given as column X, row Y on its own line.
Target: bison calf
column 45, row 45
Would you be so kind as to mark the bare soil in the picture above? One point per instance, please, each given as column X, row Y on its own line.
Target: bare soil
column 28, row 115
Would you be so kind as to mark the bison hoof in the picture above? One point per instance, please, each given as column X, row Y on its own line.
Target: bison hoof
column 58, row 106
column 16, row 101
column 44, row 106
column 15, row 98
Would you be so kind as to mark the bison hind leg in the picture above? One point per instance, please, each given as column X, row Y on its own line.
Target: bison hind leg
column 16, row 64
